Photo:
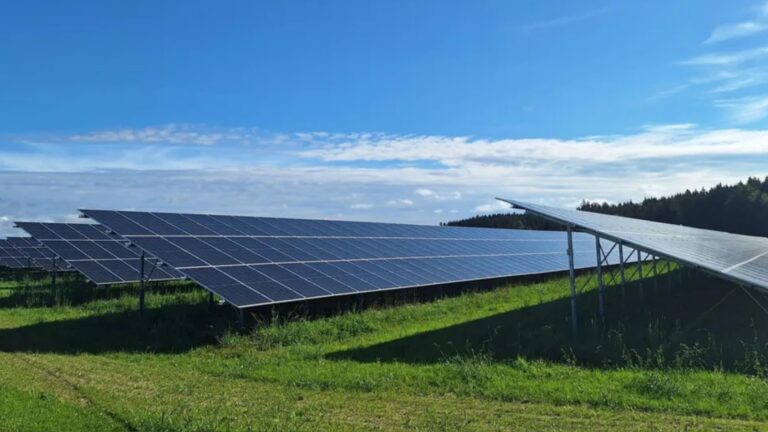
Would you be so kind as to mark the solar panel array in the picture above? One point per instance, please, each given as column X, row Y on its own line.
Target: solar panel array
column 102, row 257
column 11, row 257
column 20, row 253
column 34, row 254
column 732, row 256
column 252, row 261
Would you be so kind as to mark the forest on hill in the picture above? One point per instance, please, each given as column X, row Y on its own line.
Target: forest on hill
column 507, row 220
column 741, row 208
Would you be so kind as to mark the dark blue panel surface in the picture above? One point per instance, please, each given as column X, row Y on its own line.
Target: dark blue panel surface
column 226, row 287
column 78, row 243
column 294, row 259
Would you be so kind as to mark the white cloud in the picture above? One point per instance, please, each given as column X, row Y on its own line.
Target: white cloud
column 327, row 181
column 361, row 206
column 745, row 110
column 732, row 71
column 461, row 153
column 758, row 24
column 429, row 193
column 727, row 58
column 732, row 80
column 653, row 143
column 170, row 134
column 736, row 30
column 717, row 73
column 564, row 20
column 402, row 202
column 663, row 94
column 494, row 206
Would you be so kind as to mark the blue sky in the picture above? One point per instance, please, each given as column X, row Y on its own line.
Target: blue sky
column 395, row 111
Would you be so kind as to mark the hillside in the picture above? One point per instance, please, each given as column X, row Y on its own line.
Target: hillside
column 741, row 208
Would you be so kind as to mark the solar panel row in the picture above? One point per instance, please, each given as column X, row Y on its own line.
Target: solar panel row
column 732, row 256
column 132, row 224
column 252, row 261
column 101, row 257
column 10, row 257
column 24, row 252
column 36, row 254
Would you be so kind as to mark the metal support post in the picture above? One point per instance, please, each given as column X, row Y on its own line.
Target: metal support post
column 669, row 275
column 655, row 273
column 210, row 301
column 141, row 285
column 241, row 320
column 600, row 288
column 621, row 269
column 53, row 280
column 640, row 274
column 572, row 279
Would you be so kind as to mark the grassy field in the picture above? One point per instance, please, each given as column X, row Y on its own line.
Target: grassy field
column 690, row 356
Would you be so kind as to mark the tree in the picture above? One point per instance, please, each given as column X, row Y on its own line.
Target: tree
column 741, row 208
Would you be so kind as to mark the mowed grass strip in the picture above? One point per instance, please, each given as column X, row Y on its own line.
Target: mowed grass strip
column 493, row 360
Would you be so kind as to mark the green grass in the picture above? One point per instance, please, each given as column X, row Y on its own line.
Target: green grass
column 486, row 360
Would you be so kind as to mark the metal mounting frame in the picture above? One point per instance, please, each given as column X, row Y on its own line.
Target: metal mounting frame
column 636, row 250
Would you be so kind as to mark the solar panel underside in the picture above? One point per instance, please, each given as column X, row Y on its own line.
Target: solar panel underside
column 251, row 261
column 733, row 256
column 35, row 254
column 101, row 257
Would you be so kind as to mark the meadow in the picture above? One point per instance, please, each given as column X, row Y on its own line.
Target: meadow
column 681, row 352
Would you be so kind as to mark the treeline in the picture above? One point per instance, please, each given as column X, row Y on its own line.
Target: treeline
column 507, row 220
column 740, row 208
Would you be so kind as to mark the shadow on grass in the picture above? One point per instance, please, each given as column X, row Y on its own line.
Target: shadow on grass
column 168, row 329
column 73, row 290
column 675, row 327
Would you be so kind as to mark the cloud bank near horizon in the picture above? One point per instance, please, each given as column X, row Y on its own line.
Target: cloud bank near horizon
column 357, row 176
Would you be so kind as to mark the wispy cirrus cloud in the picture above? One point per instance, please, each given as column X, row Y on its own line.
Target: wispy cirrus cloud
column 736, row 30
column 731, row 80
column 758, row 23
column 564, row 20
column 747, row 109
column 728, row 58
column 166, row 134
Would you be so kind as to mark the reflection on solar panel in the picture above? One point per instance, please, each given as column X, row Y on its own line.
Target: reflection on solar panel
column 34, row 254
column 252, row 261
column 740, row 258
column 101, row 257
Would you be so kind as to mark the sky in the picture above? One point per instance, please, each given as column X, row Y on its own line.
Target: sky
column 397, row 111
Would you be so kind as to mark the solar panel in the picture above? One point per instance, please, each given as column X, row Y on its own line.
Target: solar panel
column 11, row 257
column 21, row 253
column 739, row 258
column 251, row 261
column 101, row 257
column 35, row 254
